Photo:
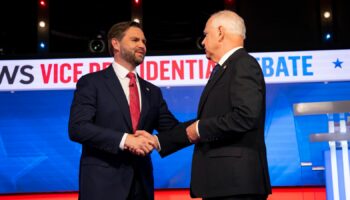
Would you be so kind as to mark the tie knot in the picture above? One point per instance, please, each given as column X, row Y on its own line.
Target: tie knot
column 131, row 75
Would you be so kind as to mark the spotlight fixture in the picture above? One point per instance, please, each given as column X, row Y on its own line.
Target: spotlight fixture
column 326, row 14
column 97, row 45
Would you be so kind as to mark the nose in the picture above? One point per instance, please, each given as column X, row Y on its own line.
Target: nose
column 200, row 43
column 142, row 45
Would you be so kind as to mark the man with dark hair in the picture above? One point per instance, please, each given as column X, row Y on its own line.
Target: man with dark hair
column 108, row 107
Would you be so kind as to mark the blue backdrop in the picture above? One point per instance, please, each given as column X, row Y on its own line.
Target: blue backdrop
column 36, row 154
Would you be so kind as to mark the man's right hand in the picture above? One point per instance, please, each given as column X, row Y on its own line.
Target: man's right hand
column 139, row 144
column 149, row 136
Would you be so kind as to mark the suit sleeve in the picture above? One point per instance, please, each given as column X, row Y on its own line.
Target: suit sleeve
column 171, row 134
column 247, row 92
column 174, row 139
column 82, row 128
column 166, row 120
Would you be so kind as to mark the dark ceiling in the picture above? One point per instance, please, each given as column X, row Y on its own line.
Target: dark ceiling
column 171, row 27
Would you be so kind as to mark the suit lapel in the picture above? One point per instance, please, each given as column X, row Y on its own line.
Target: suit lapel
column 216, row 78
column 208, row 88
column 114, row 86
column 145, row 98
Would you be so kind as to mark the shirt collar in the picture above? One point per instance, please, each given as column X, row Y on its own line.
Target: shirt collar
column 121, row 71
column 228, row 54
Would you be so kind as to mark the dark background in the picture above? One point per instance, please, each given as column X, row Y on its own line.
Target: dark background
column 171, row 27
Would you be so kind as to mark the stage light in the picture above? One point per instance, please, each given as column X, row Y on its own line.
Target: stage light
column 229, row 1
column 42, row 24
column 42, row 3
column 136, row 20
column 328, row 33
column 97, row 45
column 42, row 45
column 230, row 4
column 136, row 11
column 326, row 14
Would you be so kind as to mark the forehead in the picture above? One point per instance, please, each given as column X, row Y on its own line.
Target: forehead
column 209, row 24
column 134, row 32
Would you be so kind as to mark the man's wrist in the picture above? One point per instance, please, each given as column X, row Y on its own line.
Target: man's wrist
column 197, row 128
column 122, row 142
column 157, row 143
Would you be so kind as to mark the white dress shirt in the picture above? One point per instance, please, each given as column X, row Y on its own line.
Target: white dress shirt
column 122, row 73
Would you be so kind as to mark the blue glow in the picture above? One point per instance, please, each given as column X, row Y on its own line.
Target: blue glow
column 42, row 45
column 328, row 36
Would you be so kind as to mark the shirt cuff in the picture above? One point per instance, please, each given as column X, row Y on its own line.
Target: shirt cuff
column 197, row 129
column 159, row 148
column 122, row 142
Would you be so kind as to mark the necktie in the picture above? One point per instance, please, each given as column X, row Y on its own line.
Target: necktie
column 215, row 69
column 134, row 102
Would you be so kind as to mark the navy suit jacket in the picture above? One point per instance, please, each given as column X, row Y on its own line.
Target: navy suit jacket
column 230, row 158
column 99, row 117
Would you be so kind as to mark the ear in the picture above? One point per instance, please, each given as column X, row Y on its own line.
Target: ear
column 115, row 44
column 221, row 32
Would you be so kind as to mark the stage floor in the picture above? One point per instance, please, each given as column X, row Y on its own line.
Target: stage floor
column 280, row 193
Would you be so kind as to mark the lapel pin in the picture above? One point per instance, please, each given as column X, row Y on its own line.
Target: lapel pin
column 147, row 89
column 224, row 66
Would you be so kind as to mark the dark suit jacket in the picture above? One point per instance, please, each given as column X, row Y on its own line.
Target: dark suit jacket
column 230, row 158
column 98, row 119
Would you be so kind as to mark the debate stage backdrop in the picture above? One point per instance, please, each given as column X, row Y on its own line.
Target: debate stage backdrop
column 36, row 154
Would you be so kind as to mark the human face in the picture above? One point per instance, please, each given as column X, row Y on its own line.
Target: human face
column 211, row 41
column 133, row 46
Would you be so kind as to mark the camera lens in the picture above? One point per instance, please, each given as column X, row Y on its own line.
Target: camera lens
column 97, row 46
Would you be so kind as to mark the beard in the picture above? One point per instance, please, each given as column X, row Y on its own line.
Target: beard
column 130, row 57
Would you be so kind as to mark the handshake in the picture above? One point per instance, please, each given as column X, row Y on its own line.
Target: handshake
column 141, row 143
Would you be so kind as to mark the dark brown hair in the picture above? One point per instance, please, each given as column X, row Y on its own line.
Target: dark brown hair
column 118, row 31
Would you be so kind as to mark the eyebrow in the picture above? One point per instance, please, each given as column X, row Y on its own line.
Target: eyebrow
column 138, row 38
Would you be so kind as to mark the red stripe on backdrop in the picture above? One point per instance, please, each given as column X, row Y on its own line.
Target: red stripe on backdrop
column 280, row 193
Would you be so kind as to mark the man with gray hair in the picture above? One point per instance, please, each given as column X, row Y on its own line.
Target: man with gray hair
column 229, row 158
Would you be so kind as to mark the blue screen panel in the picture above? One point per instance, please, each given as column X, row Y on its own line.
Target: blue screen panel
column 36, row 154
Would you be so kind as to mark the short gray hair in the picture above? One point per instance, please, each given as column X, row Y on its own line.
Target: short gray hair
column 231, row 21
